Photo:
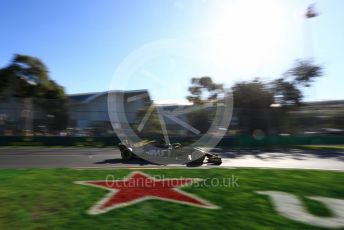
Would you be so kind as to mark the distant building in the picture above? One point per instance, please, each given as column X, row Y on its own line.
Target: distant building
column 16, row 115
column 91, row 110
column 89, row 115
column 320, row 116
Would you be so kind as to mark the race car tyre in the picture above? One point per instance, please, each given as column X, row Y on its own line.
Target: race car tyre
column 126, row 154
column 215, row 160
column 197, row 162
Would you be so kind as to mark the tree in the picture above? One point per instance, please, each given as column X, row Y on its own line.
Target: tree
column 252, row 105
column 28, row 77
column 288, row 89
column 255, row 95
column 253, row 100
column 286, row 93
column 25, row 76
column 204, row 89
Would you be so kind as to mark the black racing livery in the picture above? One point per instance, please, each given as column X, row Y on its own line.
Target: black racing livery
column 147, row 149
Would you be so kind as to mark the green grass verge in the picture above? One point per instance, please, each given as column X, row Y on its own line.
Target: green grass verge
column 48, row 199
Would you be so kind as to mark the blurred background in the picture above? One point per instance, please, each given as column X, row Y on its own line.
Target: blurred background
column 280, row 61
column 262, row 77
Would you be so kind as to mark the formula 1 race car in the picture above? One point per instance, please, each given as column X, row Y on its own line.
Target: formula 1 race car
column 170, row 153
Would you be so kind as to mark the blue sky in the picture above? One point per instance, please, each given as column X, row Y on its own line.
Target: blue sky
column 92, row 46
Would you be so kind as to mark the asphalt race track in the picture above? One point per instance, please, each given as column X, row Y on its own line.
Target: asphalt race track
column 39, row 157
